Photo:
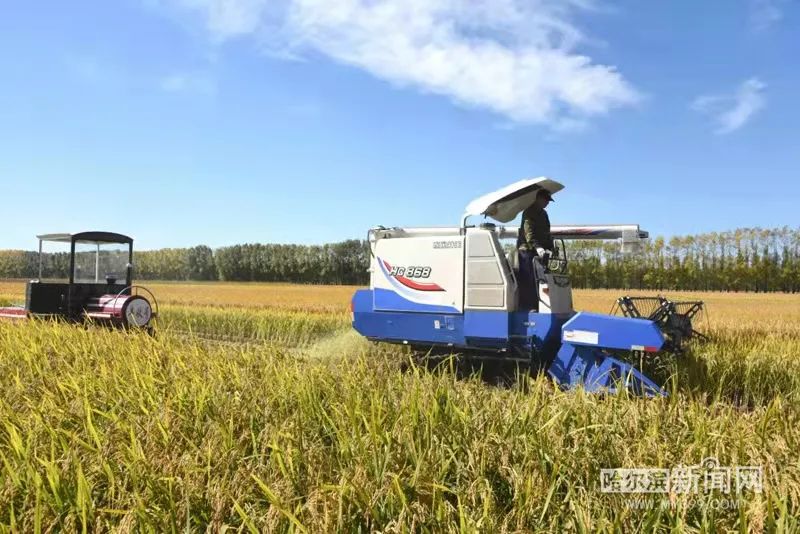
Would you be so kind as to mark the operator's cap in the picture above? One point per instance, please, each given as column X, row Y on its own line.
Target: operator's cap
column 545, row 193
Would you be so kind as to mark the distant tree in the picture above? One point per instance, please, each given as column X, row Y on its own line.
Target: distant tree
column 200, row 263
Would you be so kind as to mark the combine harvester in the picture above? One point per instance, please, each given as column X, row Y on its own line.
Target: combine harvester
column 455, row 289
column 109, row 298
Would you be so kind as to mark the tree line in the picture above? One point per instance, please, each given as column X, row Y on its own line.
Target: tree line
column 746, row 259
column 337, row 263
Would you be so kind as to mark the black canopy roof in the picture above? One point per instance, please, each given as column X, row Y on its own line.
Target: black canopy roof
column 92, row 237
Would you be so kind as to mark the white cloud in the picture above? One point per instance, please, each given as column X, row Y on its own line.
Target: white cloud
column 188, row 82
column 765, row 13
column 516, row 58
column 732, row 111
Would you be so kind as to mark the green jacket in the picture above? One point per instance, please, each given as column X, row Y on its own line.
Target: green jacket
column 534, row 232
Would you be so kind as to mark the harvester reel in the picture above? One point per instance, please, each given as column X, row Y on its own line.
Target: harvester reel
column 674, row 318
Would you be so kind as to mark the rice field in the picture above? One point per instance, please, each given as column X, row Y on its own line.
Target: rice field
column 256, row 408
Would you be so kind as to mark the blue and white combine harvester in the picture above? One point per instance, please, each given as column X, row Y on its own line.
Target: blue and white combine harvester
column 455, row 288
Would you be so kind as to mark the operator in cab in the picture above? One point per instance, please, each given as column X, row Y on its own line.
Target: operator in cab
column 534, row 240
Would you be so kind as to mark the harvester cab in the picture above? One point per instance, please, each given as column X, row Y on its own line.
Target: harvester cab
column 457, row 289
column 99, row 285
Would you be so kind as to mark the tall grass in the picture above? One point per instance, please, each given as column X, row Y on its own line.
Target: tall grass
column 265, row 325
column 747, row 366
column 311, row 428
column 103, row 429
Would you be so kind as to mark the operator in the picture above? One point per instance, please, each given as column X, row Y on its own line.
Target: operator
column 534, row 240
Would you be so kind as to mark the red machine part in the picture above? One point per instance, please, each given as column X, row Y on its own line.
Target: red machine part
column 128, row 310
column 13, row 313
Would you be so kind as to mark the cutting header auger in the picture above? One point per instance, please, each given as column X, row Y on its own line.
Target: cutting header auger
column 456, row 289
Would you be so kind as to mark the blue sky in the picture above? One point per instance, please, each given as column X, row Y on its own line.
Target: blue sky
column 227, row 121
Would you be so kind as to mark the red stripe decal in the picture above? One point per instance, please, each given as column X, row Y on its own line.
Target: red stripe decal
column 411, row 284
